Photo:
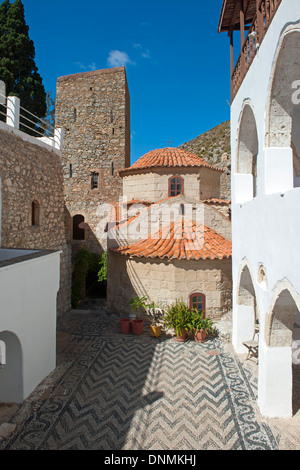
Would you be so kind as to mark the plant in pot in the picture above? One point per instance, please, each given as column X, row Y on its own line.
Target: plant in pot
column 155, row 313
column 178, row 317
column 201, row 326
column 135, row 304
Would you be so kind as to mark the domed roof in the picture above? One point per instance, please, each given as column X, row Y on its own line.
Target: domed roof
column 168, row 158
column 182, row 239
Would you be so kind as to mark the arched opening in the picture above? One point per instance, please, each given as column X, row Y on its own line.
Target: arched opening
column 248, row 148
column 11, row 372
column 35, row 214
column 78, row 232
column 284, row 332
column 246, row 318
column 197, row 301
column 283, row 127
column 176, row 186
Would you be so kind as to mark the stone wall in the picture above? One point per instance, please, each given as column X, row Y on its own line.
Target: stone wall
column 31, row 172
column 201, row 183
column 93, row 109
column 163, row 282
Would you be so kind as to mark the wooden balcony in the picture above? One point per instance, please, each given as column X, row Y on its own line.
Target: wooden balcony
column 254, row 16
column 257, row 31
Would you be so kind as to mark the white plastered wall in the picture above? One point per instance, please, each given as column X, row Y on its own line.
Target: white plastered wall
column 266, row 229
column 28, row 291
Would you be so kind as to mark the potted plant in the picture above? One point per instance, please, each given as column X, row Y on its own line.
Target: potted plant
column 124, row 324
column 178, row 317
column 155, row 313
column 137, row 324
column 201, row 326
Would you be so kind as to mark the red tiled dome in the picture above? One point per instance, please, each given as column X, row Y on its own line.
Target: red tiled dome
column 169, row 157
column 181, row 240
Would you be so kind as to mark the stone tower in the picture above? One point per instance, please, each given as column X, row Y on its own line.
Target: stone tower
column 93, row 109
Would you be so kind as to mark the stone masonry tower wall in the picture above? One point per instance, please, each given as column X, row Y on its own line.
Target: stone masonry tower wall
column 93, row 109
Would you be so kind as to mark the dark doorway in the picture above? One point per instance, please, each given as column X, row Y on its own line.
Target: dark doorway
column 78, row 233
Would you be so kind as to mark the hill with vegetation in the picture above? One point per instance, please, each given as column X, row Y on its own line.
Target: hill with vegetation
column 214, row 147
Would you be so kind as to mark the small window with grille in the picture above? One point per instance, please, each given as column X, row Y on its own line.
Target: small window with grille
column 94, row 180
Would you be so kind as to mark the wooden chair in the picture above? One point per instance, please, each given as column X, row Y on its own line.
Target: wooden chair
column 252, row 344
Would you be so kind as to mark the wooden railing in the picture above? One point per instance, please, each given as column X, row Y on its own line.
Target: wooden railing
column 265, row 13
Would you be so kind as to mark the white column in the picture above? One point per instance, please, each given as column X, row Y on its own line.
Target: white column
column 13, row 112
column 275, row 381
column 278, row 169
column 242, row 326
column 58, row 138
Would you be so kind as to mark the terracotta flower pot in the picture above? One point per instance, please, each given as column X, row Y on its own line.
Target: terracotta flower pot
column 200, row 336
column 155, row 331
column 124, row 324
column 137, row 326
column 183, row 337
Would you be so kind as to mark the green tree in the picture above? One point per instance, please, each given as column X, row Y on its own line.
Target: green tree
column 17, row 59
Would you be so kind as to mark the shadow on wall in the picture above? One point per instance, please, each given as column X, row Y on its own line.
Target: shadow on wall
column 87, row 251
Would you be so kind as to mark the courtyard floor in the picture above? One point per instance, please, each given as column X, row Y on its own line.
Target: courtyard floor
column 124, row 392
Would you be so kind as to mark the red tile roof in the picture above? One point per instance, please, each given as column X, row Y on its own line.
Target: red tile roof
column 222, row 202
column 182, row 239
column 168, row 158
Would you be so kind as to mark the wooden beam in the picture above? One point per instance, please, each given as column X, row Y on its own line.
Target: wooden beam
column 231, row 61
column 242, row 23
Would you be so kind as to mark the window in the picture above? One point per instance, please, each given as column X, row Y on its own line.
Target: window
column 70, row 170
column 75, row 115
column 175, row 186
column 181, row 209
column 112, row 168
column 197, row 301
column 94, row 180
column 78, row 231
column 35, row 214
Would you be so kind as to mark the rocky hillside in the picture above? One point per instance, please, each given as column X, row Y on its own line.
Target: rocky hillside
column 214, row 147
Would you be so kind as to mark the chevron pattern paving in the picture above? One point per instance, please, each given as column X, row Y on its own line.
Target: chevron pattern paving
column 129, row 393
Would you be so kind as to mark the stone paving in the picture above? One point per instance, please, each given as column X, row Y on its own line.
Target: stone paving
column 124, row 392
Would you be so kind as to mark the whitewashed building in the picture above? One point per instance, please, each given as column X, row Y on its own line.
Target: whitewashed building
column 265, row 141
column 31, row 248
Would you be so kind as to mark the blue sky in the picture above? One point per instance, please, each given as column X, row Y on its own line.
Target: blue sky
column 177, row 64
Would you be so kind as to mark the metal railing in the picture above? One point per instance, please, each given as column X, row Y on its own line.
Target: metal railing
column 265, row 13
column 14, row 115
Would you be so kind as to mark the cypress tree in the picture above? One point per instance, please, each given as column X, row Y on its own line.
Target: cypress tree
column 17, row 59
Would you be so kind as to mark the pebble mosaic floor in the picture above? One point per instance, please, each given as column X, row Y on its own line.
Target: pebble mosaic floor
column 126, row 392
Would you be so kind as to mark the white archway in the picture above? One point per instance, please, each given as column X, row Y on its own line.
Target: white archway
column 11, row 373
column 276, row 371
column 283, row 111
column 247, row 153
column 246, row 314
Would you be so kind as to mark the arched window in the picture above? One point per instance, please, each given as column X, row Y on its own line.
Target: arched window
column 248, row 147
column 283, row 118
column 35, row 214
column 176, row 186
column 78, row 232
column 197, row 300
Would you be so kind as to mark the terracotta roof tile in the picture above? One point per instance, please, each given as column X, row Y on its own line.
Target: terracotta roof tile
column 225, row 202
column 168, row 158
column 183, row 239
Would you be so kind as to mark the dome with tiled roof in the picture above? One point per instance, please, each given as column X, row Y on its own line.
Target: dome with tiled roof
column 168, row 158
column 183, row 239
